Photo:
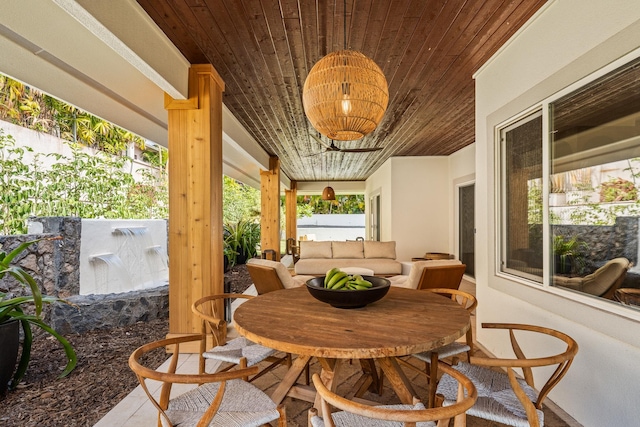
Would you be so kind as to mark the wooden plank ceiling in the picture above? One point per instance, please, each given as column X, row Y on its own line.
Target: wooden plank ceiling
column 427, row 49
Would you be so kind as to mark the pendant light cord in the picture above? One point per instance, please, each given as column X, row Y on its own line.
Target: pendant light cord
column 344, row 23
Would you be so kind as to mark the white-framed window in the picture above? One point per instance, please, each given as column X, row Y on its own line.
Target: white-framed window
column 570, row 187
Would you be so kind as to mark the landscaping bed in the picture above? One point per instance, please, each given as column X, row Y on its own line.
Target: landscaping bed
column 101, row 379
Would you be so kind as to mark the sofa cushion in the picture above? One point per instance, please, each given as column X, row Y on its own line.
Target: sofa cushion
column 311, row 249
column 374, row 249
column 347, row 250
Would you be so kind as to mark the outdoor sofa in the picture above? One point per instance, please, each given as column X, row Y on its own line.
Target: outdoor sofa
column 317, row 257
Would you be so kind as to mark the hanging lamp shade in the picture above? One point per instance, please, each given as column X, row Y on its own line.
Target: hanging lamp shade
column 345, row 95
column 328, row 193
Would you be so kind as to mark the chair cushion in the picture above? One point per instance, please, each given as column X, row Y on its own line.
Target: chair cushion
column 239, row 347
column 281, row 271
column 496, row 399
column 243, row 405
column 400, row 281
column 374, row 249
column 443, row 352
column 347, row 419
column 347, row 249
column 315, row 249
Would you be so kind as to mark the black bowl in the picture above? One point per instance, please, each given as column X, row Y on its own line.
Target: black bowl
column 347, row 298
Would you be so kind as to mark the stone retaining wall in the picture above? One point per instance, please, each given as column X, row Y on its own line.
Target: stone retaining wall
column 54, row 265
column 90, row 312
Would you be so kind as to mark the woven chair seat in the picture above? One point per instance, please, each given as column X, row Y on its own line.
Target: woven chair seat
column 496, row 399
column 237, row 348
column 187, row 409
column 348, row 419
column 443, row 352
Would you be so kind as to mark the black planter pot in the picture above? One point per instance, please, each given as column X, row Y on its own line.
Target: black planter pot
column 242, row 257
column 226, row 263
column 9, row 343
column 563, row 266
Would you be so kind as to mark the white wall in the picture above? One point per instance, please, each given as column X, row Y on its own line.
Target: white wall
column 417, row 195
column 380, row 183
column 566, row 41
column 421, row 205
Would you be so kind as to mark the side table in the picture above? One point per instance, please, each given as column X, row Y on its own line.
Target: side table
column 433, row 255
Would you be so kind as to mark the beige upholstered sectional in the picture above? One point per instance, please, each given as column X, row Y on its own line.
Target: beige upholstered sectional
column 317, row 258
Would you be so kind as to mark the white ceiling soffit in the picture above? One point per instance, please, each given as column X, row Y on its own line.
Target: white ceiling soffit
column 60, row 48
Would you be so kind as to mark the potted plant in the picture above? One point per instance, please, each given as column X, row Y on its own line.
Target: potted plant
column 25, row 311
column 568, row 254
column 240, row 240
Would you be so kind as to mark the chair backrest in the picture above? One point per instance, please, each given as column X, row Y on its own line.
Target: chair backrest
column 171, row 377
column 264, row 278
column 562, row 361
column 604, row 281
column 467, row 395
column 466, row 300
column 210, row 311
column 442, row 276
column 268, row 276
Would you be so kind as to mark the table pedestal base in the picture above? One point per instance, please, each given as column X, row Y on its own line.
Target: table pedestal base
column 330, row 372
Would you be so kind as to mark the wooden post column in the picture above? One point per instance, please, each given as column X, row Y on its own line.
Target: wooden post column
column 196, row 266
column 291, row 211
column 270, row 208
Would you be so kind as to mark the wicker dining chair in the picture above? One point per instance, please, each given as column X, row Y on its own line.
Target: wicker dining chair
column 453, row 349
column 356, row 414
column 237, row 351
column 222, row 398
column 502, row 396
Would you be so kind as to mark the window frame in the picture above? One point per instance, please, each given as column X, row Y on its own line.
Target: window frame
column 543, row 107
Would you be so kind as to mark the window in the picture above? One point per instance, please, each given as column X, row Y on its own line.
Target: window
column 592, row 188
column 521, row 197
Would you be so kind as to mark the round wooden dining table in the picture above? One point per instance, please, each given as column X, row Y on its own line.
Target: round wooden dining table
column 404, row 322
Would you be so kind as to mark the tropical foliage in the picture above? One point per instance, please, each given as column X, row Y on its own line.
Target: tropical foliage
column 239, row 201
column 241, row 240
column 344, row 204
column 28, row 311
column 569, row 254
column 87, row 185
column 30, row 108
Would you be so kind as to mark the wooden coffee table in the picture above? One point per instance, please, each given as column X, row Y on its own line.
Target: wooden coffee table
column 404, row 322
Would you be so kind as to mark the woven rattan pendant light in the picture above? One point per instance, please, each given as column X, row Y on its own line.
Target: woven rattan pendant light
column 345, row 94
column 328, row 193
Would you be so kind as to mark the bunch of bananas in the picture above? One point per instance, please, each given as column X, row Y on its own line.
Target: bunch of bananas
column 337, row 279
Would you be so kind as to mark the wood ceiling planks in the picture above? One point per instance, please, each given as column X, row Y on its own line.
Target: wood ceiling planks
column 264, row 49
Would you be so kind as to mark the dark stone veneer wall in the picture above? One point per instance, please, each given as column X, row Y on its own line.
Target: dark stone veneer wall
column 54, row 264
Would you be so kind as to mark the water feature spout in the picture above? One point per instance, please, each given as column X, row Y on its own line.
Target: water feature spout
column 136, row 230
column 113, row 263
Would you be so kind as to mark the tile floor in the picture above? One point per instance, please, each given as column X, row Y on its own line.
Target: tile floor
column 136, row 410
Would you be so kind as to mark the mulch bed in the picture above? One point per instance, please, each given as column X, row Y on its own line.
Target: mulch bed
column 101, row 379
